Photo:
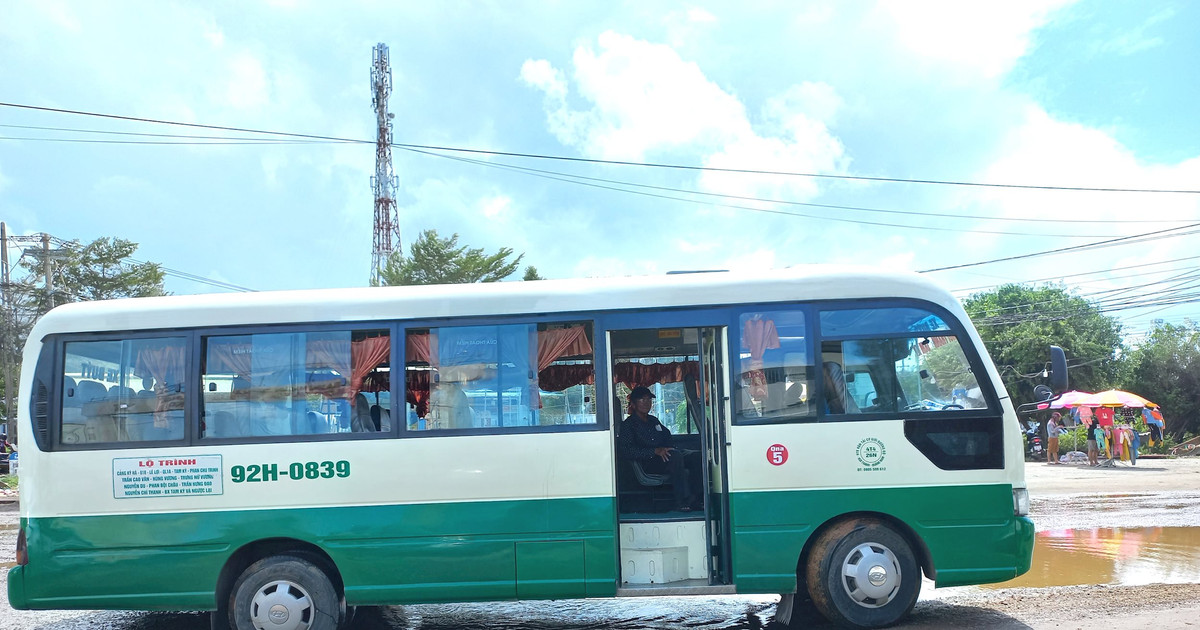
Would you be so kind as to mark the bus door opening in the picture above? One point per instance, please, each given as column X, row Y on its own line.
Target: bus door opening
column 682, row 368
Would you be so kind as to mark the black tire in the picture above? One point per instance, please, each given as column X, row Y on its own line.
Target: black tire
column 285, row 593
column 863, row 574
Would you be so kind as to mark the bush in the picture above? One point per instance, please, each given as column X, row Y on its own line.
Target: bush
column 8, row 481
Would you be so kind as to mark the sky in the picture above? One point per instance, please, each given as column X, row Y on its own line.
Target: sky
column 656, row 111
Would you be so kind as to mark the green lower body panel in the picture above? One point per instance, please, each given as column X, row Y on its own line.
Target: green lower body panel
column 384, row 554
column 968, row 533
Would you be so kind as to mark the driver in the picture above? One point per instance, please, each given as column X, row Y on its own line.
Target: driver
column 645, row 440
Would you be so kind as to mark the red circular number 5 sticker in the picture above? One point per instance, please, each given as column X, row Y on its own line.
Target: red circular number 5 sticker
column 777, row 454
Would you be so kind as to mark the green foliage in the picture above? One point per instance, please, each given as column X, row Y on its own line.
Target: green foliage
column 1019, row 323
column 531, row 274
column 949, row 365
column 435, row 260
column 96, row 271
column 1165, row 368
column 8, row 481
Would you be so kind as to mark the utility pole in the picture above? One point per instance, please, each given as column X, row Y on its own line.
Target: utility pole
column 384, row 182
column 8, row 332
column 12, row 312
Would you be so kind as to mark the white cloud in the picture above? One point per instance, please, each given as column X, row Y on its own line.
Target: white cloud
column 813, row 100
column 1043, row 150
column 754, row 260
column 496, row 206
column 690, row 246
column 644, row 99
column 246, row 84
column 613, row 266
column 968, row 37
column 62, row 16
column 540, row 74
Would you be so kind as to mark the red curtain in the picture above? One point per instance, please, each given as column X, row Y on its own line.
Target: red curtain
column 231, row 358
column 416, row 390
column 416, row 347
column 160, row 363
column 639, row 375
column 551, row 345
column 758, row 335
column 367, row 355
column 328, row 353
column 561, row 342
column 556, row 378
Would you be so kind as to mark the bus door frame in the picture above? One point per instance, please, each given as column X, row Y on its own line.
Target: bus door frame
column 713, row 321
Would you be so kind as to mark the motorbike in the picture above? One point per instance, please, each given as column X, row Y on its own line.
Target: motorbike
column 1033, row 442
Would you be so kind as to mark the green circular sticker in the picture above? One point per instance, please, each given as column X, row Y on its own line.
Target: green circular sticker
column 871, row 452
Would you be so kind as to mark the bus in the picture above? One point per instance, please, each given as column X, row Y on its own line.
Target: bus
column 281, row 458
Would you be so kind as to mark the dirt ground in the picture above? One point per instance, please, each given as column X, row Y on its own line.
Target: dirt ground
column 1149, row 475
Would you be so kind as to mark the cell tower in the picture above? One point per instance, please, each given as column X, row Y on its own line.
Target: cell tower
column 384, row 182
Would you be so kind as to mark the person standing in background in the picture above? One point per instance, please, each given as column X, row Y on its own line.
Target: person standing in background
column 1093, row 443
column 1053, row 430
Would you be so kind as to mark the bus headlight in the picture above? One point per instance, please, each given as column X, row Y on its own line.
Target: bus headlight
column 1020, row 502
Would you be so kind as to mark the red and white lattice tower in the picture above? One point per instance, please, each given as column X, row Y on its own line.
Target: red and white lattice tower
column 384, row 182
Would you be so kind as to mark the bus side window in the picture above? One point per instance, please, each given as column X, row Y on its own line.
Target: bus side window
column 295, row 383
column 897, row 359
column 775, row 376
column 499, row 376
column 103, row 405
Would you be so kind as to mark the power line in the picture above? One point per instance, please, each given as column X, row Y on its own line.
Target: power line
column 163, row 142
column 541, row 156
column 1084, row 273
column 1124, row 240
column 558, row 174
column 216, row 140
column 147, row 135
column 567, row 178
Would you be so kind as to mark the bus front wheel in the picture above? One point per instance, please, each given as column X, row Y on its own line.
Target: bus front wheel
column 863, row 574
column 284, row 593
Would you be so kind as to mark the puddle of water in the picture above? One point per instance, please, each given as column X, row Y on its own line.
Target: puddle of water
column 1120, row 556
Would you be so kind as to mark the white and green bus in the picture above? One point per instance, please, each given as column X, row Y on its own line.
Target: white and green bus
column 282, row 458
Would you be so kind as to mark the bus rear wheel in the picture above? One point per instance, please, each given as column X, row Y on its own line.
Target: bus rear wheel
column 285, row 593
column 863, row 574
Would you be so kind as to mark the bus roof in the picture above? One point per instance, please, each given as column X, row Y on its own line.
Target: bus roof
column 807, row 282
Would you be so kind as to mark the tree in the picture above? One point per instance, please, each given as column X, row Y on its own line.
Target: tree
column 96, row 271
column 1165, row 368
column 1019, row 323
column 435, row 260
column 531, row 274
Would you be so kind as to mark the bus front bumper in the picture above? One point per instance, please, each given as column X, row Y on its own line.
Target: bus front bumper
column 16, row 588
column 1016, row 543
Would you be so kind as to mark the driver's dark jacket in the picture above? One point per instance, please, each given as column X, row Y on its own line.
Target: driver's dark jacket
column 639, row 439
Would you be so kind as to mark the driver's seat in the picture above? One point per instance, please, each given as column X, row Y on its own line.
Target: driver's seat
column 837, row 398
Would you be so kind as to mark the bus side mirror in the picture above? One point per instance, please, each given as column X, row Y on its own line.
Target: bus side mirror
column 1058, row 369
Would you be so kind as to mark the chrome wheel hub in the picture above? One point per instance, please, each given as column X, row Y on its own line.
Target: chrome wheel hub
column 281, row 605
column 871, row 575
